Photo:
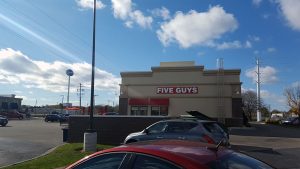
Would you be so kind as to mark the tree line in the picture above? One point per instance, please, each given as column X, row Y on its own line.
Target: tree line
column 292, row 95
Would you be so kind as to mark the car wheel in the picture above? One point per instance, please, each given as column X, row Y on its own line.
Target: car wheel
column 21, row 117
column 46, row 120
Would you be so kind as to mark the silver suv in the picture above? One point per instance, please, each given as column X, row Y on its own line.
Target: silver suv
column 184, row 129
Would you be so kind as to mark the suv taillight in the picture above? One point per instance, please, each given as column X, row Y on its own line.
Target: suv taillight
column 208, row 139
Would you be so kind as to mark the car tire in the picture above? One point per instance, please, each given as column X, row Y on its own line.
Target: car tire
column 46, row 120
column 21, row 118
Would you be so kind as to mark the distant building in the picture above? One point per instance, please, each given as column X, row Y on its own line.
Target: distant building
column 176, row 87
column 10, row 102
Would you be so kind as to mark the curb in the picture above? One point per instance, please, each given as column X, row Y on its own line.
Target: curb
column 46, row 153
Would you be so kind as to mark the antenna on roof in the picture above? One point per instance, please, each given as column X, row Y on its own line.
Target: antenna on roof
column 216, row 148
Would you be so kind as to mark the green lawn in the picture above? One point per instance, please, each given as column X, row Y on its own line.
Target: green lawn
column 60, row 157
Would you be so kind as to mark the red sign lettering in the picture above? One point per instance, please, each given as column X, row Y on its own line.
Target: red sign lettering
column 177, row 90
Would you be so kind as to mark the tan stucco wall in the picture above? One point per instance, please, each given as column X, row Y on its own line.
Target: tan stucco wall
column 144, row 85
column 208, row 106
column 179, row 78
column 139, row 91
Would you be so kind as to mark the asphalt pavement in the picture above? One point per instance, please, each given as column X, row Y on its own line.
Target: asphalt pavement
column 278, row 146
column 25, row 139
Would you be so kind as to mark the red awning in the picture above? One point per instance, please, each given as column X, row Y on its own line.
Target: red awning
column 164, row 101
column 135, row 101
column 72, row 108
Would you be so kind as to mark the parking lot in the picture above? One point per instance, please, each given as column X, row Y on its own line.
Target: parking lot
column 24, row 139
column 276, row 145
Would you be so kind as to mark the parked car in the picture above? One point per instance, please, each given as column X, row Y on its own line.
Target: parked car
column 12, row 114
column 183, row 129
column 25, row 114
column 52, row 117
column 201, row 116
column 64, row 117
column 291, row 121
column 110, row 113
column 169, row 154
column 3, row 121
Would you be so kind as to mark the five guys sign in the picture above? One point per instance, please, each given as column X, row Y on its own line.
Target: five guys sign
column 177, row 90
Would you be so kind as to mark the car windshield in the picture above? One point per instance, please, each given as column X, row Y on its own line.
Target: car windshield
column 238, row 161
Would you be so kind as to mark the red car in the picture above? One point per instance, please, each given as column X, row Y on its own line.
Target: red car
column 12, row 114
column 168, row 154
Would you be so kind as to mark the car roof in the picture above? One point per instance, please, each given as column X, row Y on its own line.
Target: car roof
column 187, row 119
column 181, row 152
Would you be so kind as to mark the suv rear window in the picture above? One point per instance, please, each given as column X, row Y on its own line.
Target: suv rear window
column 180, row 127
column 213, row 127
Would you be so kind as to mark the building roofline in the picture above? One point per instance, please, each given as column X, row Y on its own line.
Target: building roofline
column 225, row 71
column 177, row 69
column 136, row 74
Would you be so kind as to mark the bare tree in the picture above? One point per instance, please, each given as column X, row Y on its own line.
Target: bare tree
column 249, row 103
column 293, row 98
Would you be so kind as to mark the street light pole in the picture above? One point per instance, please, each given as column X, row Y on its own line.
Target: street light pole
column 68, row 96
column 90, row 136
column 62, row 103
column 93, row 71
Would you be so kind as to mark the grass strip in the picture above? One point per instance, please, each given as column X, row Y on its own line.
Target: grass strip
column 60, row 157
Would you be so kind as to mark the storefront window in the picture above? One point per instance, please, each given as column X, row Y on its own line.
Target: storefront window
column 139, row 110
column 159, row 111
column 155, row 111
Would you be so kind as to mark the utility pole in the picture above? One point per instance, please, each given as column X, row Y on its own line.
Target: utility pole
column 258, row 113
column 80, row 97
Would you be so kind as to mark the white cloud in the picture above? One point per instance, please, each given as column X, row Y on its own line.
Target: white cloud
column 162, row 12
column 196, row 28
column 268, row 74
column 266, row 16
column 18, row 92
column 256, row 2
column 123, row 10
column 254, row 38
column 89, row 4
column 140, row 19
column 270, row 50
column 201, row 54
column 229, row 45
column 277, row 101
column 129, row 24
column 291, row 12
column 296, row 84
column 17, row 68
column 248, row 44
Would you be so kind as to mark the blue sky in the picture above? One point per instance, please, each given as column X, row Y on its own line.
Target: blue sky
column 41, row 39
